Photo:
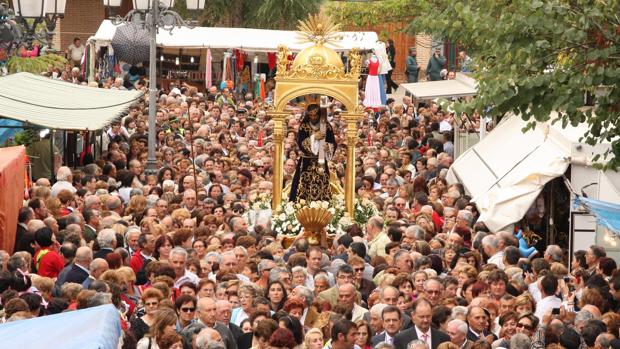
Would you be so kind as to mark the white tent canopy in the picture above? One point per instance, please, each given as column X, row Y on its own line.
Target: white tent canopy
column 505, row 171
column 462, row 86
column 254, row 40
column 57, row 104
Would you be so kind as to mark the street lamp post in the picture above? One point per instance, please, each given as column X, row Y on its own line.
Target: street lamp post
column 29, row 14
column 154, row 14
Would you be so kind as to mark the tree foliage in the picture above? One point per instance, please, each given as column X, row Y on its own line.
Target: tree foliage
column 35, row 65
column 265, row 14
column 365, row 14
column 534, row 57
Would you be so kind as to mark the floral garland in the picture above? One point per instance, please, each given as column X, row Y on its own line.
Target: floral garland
column 284, row 221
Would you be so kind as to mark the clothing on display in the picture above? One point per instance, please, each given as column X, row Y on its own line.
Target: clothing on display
column 209, row 69
column 372, row 90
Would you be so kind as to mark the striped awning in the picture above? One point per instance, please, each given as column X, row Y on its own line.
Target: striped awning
column 57, row 104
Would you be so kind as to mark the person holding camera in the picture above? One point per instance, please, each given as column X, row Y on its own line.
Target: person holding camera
column 435, row 65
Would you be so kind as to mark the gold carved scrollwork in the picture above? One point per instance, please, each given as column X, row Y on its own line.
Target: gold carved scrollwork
column 355, row 64
column 317, row 70
column 283, row 54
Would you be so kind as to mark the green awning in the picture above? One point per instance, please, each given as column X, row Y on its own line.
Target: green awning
column 57, row 104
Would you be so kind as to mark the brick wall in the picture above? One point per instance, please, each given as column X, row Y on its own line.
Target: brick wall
column 82, row 19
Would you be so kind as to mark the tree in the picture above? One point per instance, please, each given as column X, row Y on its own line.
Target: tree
column 533, row 57
column 365, row 14
column 267, row 14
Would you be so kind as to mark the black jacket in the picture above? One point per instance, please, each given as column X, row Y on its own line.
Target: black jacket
column 403, row 338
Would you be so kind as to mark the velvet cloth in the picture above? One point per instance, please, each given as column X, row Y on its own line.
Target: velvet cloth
column 309, row 182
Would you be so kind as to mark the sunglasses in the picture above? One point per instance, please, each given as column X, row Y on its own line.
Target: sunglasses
column 527, row 327
column 188, row 310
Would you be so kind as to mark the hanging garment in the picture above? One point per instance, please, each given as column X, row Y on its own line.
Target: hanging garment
column 382, row 89
column 240, row 59
column 372, row 93
column 209, row 69
column 271, row 60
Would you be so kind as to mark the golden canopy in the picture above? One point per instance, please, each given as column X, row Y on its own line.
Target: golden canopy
column 317, row 70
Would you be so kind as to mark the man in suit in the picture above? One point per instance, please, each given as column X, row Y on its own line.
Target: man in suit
column 392, row 321
column 207, row 316
column 25, row 215
column 457, row 329
column 421, row 315
column 79, row 269
column 91, row 219
column 478, row 319
column 107, row 243
column 224, row 311
column 389, row 296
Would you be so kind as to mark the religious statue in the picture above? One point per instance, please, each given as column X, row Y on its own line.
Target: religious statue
column 316, row 140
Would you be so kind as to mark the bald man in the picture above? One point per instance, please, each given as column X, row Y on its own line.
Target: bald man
column 224, row 312
column 79, row 270
column 206, row 313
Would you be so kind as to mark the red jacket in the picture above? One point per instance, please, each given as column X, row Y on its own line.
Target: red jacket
column 48, row 262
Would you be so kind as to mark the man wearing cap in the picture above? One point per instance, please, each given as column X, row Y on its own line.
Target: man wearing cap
column 175, row 126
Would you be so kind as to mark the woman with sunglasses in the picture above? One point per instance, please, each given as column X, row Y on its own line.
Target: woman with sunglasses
column 185, row 306
column 527, row 324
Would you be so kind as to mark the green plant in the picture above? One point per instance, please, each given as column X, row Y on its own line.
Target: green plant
column 35, row 65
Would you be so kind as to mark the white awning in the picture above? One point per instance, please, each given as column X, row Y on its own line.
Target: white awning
column 505, row 171
column 252, row 40
column 58, row 104
column 462, row 86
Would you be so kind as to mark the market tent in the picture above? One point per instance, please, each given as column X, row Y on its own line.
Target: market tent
column 92, row 328
column 12, row 177
column 56, row 104
column 505, row 171
column 607, row 214
column 253, row 40
column 462, row 86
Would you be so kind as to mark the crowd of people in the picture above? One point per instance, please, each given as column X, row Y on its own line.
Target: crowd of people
column 174, row 254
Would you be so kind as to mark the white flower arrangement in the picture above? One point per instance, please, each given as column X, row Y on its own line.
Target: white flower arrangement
column 284, row 221
column 259, row 205
column 363, row 211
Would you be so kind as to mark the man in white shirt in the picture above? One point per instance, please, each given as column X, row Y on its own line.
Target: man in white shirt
column 490, row 244
column 178, row 261
column 64, row 179
column 75, row 52
column 548, row 287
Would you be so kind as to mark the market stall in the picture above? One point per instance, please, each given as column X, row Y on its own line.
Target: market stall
column 41, row 103
column 189, row 54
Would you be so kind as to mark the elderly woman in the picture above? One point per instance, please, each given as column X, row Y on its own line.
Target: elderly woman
column 299, row 276
column 150, row 301
column 247, row 293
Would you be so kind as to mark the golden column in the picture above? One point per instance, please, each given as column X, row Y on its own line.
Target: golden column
column 349, row 181
column 278, row 162
column 317, row 69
